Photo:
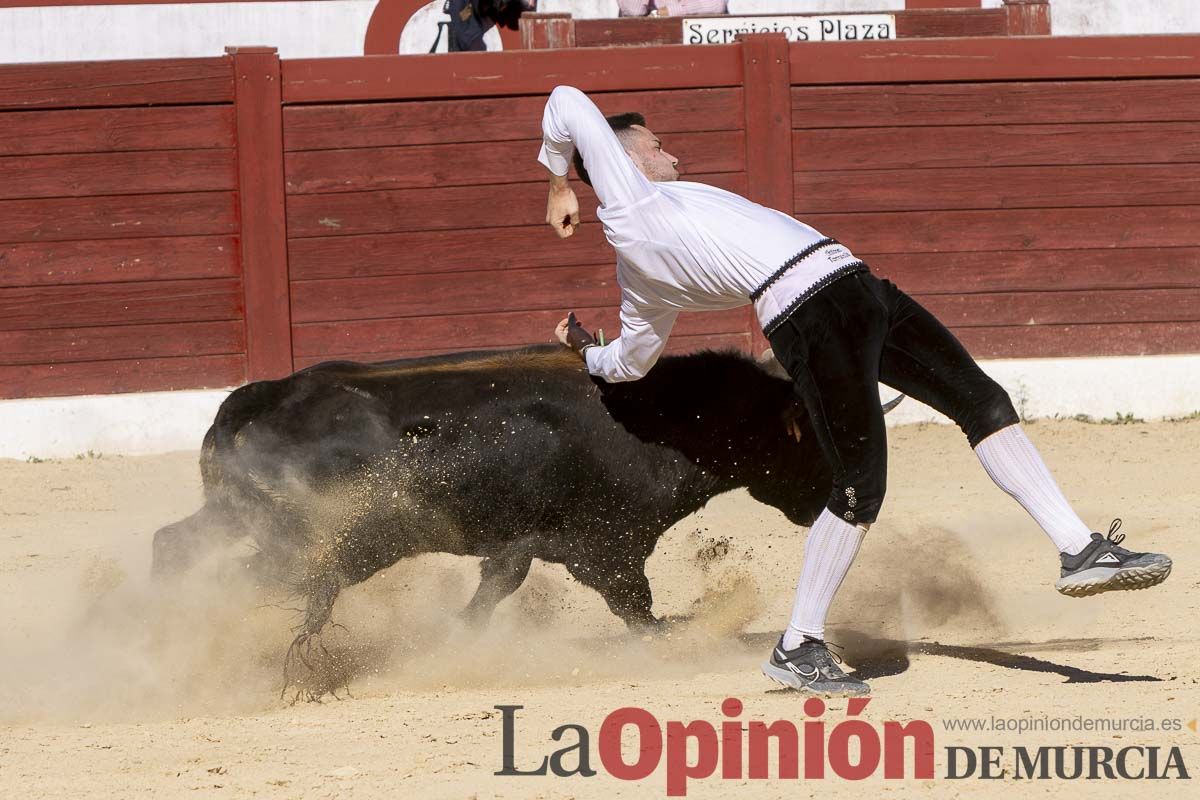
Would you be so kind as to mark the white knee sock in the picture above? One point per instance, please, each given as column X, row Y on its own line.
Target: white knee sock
column 830, row 550
column 1015, row 465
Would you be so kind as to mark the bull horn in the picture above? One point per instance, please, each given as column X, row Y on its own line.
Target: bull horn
column 890, row 404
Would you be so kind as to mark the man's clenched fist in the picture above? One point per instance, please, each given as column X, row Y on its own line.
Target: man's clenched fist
column 562, row 210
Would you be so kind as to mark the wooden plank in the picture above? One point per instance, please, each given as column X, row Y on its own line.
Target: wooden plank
column 546, row 31
column 420, row 252
column 996, row 145
column 996, row 187
column 167, row 81
column 1035, row 269
column 130, row 375
column 110, row 130
column 150, row 172
column 468, row 331
column 1060, row 341
column 264, row 223
column 427, row 295
column 316, row 80
column 768, row 140
column 958, row 4
column 85, row 305
column 990, row 309
column 119, row 217
column 1028, row 17
column 121, row 342
column 1164, row 100
column 490, row 120
column 1002, row 103
column 676, row 346
column 1013, row 229
column 111, row 260
column 951, row 22
column 1039, row 270
column 768, row 121
column 453, row 165
column 624, row 31
column 995, row 58
column 465, row 208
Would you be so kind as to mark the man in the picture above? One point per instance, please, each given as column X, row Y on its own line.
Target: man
column 835, row 327
column 471, row 19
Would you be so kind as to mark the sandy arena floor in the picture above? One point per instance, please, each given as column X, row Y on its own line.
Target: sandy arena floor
column 111, row 689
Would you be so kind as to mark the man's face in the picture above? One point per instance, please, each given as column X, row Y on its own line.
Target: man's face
column 646, row 151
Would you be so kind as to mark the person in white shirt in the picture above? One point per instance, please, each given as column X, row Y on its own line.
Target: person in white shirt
column 837, row 329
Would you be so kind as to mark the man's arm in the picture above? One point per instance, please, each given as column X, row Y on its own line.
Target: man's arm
column 644, row 332
column 571, row 121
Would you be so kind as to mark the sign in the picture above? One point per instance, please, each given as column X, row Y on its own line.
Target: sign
column 836, row 28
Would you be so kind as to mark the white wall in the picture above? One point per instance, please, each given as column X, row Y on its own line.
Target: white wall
column 307, row 29
column 1149, row 387
column 1095, row 17
column 811, row 6
column 580, row 9
column 91, row 33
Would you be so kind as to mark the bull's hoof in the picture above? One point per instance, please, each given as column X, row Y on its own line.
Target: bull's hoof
column 311, row 671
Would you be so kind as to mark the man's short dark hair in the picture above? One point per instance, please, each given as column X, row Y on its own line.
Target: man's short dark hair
column 619, row 123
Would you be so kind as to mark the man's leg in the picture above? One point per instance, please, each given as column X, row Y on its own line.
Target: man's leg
column 831, row 548
column 925, row 361
column 1015, row 465
column 832, row 349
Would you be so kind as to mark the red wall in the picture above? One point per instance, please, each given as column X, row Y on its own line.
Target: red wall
column 1041, row 195
column 119, row 264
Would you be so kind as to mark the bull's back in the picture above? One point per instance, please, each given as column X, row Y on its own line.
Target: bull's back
column 477, row 412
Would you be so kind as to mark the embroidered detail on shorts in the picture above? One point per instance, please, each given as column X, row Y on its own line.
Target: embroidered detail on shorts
column 849, row 516
column 840, row 272
column 791, row 262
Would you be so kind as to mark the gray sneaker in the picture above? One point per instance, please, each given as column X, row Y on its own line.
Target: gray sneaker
column 811, row 668
column 1102, row 566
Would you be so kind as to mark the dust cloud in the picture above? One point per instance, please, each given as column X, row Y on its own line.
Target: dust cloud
column 213, row 642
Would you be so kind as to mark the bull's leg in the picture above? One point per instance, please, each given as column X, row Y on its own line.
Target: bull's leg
column 500, row 575
column 309, row 669
column 624, row 587
column 179, row 546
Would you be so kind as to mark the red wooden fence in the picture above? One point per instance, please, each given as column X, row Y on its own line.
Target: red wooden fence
column 118, row 228
column 1041, row 195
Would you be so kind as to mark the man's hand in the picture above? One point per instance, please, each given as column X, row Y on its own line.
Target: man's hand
column 562, row 209
column 573, row 335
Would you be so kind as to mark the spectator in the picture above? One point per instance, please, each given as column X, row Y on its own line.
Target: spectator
column 672, row 8
column 471, row 19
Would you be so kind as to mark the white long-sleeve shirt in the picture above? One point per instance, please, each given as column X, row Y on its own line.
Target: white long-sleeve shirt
column 682, row 246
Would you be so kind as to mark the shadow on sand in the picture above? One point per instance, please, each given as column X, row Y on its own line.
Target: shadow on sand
column 878, row 657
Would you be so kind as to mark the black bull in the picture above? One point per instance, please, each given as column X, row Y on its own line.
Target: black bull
column 342, row 469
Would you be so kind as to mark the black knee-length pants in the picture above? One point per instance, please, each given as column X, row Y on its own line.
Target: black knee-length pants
column 847, row 338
